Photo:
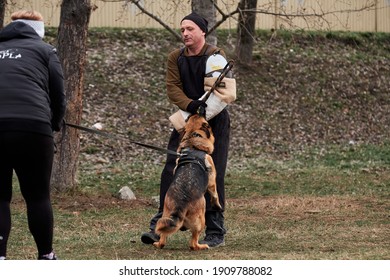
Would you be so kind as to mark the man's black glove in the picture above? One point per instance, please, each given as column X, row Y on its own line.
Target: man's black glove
column 194, row 105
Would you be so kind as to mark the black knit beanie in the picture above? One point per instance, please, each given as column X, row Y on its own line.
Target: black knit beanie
column 198, row 20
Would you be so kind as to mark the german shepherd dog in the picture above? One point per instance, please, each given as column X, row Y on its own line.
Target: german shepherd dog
column 194, row 174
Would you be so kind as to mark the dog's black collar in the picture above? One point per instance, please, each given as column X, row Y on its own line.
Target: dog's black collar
column 192, row 156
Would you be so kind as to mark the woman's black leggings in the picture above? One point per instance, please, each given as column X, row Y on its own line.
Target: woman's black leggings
column 30, row 155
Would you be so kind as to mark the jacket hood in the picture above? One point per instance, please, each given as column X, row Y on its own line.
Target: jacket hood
column 16, row 30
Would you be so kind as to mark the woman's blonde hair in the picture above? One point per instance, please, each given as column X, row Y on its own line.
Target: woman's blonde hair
column 29, row 15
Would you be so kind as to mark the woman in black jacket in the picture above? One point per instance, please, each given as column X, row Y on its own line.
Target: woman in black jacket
column 32, row 106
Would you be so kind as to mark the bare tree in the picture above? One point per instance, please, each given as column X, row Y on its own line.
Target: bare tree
column 246, row 31
column 72, row 49
column 206, row 8
column 3, row 4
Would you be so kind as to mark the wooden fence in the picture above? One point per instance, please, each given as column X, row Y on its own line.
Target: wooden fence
column 346, row 15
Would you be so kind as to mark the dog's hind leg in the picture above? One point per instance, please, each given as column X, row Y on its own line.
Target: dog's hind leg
column 197, row 226
column 167, row 224
column 194, row 242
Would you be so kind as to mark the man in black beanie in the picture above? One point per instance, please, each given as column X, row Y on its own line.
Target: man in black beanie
column 198, row 20
column 185, row 85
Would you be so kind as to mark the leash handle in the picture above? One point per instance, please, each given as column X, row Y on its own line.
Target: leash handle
column 225, row 70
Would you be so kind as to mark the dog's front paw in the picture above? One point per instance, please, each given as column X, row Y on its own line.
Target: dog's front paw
column 199, row 247
column 158, row 245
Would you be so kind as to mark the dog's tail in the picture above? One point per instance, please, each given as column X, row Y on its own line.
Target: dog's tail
column 168, row 225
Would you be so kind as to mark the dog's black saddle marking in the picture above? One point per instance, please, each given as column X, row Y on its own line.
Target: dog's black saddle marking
column 193, row 156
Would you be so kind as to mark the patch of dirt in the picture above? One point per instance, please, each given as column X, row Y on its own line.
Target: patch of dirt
column 331, row 210
column 88, row 202
column 293, row 206
column 276, row 206
column 84, row 202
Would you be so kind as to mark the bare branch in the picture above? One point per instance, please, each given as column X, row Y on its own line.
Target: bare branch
column 142, row 9
column 224, row 18
column 367, row 7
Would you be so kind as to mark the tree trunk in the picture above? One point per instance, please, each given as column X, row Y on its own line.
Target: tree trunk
column 72, row 51
column 246, row 31
column 3, row 4
column 206, row 9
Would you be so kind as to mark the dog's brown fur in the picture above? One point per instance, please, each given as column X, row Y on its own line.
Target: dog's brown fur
column 184, row 204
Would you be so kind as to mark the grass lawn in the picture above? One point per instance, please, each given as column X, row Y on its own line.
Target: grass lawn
column 328, row 203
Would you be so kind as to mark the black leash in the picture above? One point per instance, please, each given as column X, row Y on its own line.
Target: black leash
column 121, row 137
